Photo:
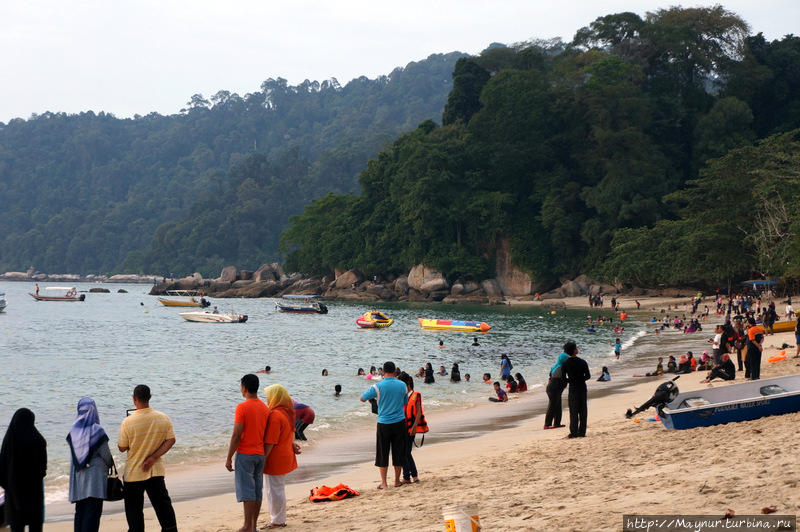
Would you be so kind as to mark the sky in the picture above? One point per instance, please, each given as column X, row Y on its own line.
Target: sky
column 131, row 57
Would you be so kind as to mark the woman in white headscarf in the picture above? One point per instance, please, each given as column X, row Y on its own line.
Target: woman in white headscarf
column 91, row 458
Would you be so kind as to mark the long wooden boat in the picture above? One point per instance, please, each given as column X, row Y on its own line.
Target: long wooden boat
column 307, row 306
column 70, row 295
column 454, row 325
column 731, row 403
column 192, row 300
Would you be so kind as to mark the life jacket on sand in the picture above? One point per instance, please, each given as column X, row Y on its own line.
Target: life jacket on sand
column 411, row 414
column 336, row 493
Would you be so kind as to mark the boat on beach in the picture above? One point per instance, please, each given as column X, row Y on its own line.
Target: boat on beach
column 454, row 325
column 304, row 304
column 374, row 319
column 206, row 316
column 70, row 294
column 784, row 326
column 195, row 299
column 735, row 402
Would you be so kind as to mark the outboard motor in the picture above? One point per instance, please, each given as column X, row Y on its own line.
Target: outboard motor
column 322, row 309
column 82, row 297
column 242, row 318
column 665, row 393
column 204, row 302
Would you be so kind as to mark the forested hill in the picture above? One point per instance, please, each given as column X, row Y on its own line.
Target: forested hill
column 86, row 193
column 630, row 153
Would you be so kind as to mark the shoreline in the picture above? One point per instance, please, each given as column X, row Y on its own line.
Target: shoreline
column 345, row 455
column 534, row 472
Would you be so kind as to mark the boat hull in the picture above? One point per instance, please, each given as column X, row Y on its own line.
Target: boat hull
column 173, row 303
column 302, row 309
column 454, row 325
column 745, row 402
column 210, row 317
column 52, row 298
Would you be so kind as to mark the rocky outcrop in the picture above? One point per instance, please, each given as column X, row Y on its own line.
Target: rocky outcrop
column 426, row 279
column 227, row 275
column 513, row 282
column 245, row 275
column 97, row 290
column 492, row 288
column 348, row 279
column 304, row 287
column 241, row 283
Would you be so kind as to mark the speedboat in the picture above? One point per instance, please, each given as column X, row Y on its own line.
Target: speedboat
column 307, row 305
column 193, row 300
column 454, row 325
column 213, row 317
column 2, row 302
column 373, row 319
column 71, row 294
column 725, row 404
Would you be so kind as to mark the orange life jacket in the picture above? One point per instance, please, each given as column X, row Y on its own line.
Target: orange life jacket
column 336, row 493
column 411, row 414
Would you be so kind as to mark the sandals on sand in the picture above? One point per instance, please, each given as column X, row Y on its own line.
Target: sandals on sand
column 273, row 525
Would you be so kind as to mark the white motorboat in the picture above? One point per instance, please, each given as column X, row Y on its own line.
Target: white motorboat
column 214, row 317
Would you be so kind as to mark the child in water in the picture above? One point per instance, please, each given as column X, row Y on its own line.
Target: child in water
column 337, row 390
column 502, row 396
column 466, row 377
column 522, row 386
column 511, row 384
column 487, row 378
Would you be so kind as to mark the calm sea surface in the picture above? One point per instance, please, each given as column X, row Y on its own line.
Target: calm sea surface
column 52, row 354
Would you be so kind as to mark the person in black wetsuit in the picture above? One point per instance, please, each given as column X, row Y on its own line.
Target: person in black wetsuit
column 576, row 373
column 725, row 371
column 429, row 374
column 455, row 373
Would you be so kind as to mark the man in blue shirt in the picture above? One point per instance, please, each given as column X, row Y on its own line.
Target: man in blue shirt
column 391, row 434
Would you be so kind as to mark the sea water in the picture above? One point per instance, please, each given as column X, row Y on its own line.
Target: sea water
column 54, row 353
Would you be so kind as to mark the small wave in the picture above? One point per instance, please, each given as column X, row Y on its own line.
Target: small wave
column 632, row 340
column 59, row 495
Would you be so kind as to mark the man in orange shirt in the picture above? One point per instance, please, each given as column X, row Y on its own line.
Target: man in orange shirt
column 752, row 362
column 248, row 440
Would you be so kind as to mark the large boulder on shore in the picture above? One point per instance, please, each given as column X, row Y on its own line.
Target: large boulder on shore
column 304, row 287
column 241, row 283
column 572, row 289
column 400, row 285
column 348, row 278
column 512, row 281
column 190, row 282
column 426, row 279
column 492, row 288
column 245, row 275
column 269, row 272
column 228, row 274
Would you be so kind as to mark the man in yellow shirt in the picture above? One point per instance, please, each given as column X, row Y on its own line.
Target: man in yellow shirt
column 146, row 435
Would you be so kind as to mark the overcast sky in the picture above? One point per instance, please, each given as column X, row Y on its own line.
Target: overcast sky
column 128, row 57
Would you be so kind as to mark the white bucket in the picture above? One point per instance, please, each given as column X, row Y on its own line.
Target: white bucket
column 461, row 518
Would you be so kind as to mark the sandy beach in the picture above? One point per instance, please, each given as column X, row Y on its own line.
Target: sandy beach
column 526, row 478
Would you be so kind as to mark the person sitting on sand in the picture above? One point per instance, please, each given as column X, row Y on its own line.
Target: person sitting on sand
column 705, row 362
column 522, row 386
column 604, row 375
column 725, row 371
column 442, row 372
column 455, row 374
column 692, row 360
column 684, row 366
column 672, row 366
column 487, row 377
column 659, row 370
column 429, row 374
column 266, row 369
column 511, row 384
column 502, row 396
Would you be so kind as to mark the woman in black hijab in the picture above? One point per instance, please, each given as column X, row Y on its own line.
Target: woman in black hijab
column 23, row 464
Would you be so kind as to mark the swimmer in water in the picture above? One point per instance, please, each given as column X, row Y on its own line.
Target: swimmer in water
column 487, row 377
column 360, row 372
column 466, row 377
column 337, row 390
column 420, row 373
column 502, row 396
column 266, row 369
column 324, row 372
column 442, row 371
column 475, row 342
column 441, row 344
